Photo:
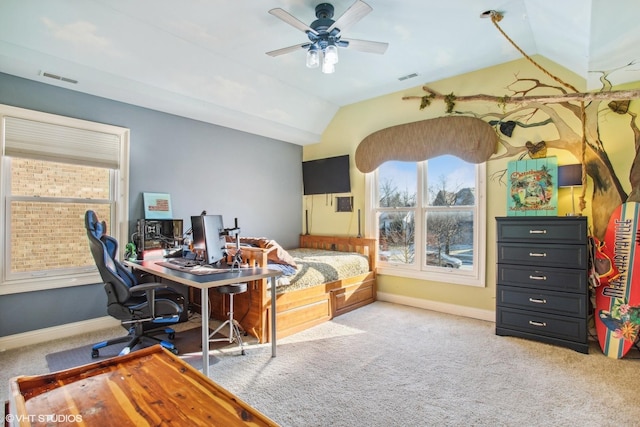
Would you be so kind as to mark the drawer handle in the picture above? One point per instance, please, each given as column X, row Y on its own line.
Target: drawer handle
column 537, row 277
column 538, row 300
column 543, row 254
column 542, row 324
column 537, row 231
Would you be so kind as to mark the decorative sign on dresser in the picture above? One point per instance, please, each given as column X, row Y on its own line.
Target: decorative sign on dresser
column 542, row 286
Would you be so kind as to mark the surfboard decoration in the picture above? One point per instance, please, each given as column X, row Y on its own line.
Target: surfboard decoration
column 617, row 311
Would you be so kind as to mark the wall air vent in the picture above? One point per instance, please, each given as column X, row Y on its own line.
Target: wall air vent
column 408, row 76
column 57, row 77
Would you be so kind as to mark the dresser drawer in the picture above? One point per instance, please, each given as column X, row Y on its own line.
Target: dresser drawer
column 555, row 230
column 543, row 278
column 542, row 324
column 538, row 254
column 561, row 303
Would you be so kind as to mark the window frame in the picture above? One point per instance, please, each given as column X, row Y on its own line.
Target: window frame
column 119, row 198
column 419, row 270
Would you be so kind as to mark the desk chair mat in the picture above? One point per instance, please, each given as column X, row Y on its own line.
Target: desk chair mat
column 198, row 270
column 188, row 343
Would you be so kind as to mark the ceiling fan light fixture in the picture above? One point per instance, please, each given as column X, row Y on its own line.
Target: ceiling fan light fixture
column 325, row 34
column 328, row 67
column 313, row 57
column 331, row 53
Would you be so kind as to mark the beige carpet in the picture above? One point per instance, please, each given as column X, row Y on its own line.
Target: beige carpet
column 391, row 365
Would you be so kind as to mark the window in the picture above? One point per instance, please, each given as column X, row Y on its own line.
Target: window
column 53, row 169
column 429, row 218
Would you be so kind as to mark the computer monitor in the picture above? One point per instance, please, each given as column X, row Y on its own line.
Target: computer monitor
column 208, row 237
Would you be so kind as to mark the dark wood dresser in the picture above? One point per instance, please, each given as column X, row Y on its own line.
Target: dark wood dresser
column 542, row 289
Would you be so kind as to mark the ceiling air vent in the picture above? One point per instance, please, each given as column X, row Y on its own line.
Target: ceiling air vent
column 408, row 76
column 57, row 77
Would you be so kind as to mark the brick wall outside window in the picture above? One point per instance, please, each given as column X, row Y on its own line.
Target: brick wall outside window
column 46, row 234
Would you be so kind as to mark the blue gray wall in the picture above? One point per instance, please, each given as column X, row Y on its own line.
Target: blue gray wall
column 202, row 166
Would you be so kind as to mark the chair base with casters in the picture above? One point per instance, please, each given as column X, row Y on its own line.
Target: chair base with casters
column 138, row 336
column 234, row 326
column 143, row 327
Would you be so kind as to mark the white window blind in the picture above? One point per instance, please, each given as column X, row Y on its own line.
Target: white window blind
column 45, row 141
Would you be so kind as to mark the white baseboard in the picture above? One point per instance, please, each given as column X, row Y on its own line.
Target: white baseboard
column 458, row 310
column 55, row 332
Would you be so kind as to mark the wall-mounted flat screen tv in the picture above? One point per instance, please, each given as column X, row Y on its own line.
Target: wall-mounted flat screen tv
column 326, row 176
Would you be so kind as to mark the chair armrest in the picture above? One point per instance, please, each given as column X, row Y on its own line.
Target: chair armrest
column 148, row 286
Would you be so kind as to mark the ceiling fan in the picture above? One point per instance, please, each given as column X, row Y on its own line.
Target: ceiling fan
column 325, row 35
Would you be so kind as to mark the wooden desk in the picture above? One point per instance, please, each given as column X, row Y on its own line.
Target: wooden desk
column 204, row 282
column 148, row 387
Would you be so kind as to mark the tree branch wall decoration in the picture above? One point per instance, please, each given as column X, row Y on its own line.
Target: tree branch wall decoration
column 525, row 108
column 558, row 110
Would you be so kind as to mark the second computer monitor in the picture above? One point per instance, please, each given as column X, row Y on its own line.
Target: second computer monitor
column 208, row 237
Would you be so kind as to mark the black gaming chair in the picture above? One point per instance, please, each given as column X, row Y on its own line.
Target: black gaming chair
column 142, row 308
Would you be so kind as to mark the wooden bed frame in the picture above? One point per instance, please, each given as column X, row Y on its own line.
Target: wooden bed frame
column 303, row 308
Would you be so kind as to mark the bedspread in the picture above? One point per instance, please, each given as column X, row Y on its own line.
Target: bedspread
column 318, row 266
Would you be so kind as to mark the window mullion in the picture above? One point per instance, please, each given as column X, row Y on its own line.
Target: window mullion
column 56, row 199
column 420, row 217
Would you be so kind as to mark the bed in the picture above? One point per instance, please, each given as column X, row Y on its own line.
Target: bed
column 332, row 275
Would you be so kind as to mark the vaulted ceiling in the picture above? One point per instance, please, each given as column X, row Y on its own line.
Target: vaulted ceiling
column 206, row 59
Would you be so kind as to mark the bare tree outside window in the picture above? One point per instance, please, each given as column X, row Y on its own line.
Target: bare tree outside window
column 397, row 234
column 392, row 197
column 447, row 226
column 396, row 223
column 429, row 219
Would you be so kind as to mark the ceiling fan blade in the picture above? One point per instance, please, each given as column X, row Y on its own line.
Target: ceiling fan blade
column 356, row 12
column 366, row 45
column 292, row 20
column 289, row 49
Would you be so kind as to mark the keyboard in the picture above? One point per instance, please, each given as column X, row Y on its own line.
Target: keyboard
column 192, row 267
column 183, row 262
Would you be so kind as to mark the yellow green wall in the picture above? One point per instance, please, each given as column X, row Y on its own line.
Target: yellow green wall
column 354, row 122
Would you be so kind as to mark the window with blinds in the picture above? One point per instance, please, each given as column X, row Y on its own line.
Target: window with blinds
column 54, row 169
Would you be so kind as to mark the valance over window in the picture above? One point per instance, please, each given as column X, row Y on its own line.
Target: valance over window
column 468, row 138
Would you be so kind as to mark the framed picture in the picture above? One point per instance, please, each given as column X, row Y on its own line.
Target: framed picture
column 532, row 188
column 157, row 206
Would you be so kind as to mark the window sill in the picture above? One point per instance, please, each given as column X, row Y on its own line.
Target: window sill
column 42, row 284
column 450, row 276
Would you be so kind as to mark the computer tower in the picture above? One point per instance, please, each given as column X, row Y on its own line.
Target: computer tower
column 157, row 237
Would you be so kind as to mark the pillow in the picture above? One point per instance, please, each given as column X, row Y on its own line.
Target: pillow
column 276, row 254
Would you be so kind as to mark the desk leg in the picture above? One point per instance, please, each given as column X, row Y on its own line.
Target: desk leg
column 273, row 317
column 204, row 301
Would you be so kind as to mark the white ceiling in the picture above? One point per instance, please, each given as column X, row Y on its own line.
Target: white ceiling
column 205, row 59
